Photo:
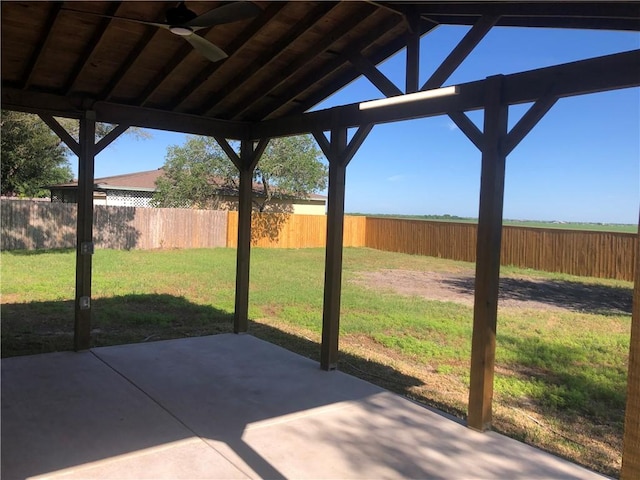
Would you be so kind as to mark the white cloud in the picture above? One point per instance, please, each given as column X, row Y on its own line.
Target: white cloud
column 395, row 178
column 452, row 126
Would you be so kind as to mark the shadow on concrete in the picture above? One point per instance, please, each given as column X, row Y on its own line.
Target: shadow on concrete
column 84, row 412
column 67, row 409
column 576, row 296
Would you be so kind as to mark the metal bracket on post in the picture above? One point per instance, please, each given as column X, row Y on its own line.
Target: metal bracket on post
column 87, row 248
column 84, row 303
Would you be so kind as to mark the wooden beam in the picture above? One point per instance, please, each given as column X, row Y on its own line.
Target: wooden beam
column 132, row 57
column 631, row 446
column 249, row 158
column 43, row 41
column 110, row 137
column 172, row 121
column 610, row 72
column 342, row 30
column 231, row 153
column 460, row 52
column 183, row 52
column 91, row 46
column 413, row 52
column 311, row 79
column 84, row 237
column 71, row 107
column 62, row 133
column 467, row 127
column 375, row 76
column 485, row 309
column 529, row 120
column 355, row 143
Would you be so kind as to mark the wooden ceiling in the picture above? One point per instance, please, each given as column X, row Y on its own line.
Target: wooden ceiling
column 66, row 57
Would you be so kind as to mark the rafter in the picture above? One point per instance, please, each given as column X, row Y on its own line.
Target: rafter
column 123, row 70
column 318, row 48
column 348, row 77
column 201, row 77
column 162, row 76
column 91, row 47
column 211, row 108
column 375, row 76
column 331, row 66
column 610, row 72
column 43, row 41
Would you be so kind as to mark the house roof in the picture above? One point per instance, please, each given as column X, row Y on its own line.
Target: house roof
column 146, row 182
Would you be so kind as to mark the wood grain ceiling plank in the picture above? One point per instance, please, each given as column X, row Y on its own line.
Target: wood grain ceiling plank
column 211, row 108
column 388, row 23
column 340, row 32
column 240, row 41
column 43, row 41
column 127, row 64
column 91, row 47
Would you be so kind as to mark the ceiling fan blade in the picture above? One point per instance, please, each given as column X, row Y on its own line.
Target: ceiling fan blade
column 226, row 14
column 206, row 48
column 126, row 19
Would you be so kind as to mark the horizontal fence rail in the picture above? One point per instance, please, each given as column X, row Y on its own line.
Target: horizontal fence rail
column 43, row 225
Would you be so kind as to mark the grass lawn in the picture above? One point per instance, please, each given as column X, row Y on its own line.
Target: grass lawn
column 561, row 369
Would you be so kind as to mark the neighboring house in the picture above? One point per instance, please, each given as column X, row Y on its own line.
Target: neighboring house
column 137, row 189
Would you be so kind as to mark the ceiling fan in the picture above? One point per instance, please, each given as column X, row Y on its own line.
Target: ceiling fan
column 184, row 23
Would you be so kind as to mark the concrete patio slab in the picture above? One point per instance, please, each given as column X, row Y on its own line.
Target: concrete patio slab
column 64, row 412
column 233, row 406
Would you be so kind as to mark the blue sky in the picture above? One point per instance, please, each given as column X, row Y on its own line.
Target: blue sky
column 580, row 163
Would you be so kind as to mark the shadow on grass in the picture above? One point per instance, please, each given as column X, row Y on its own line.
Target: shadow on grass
column 43, row 327
column 44, row 251
column 575, row 296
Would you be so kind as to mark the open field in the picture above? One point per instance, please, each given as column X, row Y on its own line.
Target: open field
column 563, row 341
column 593, row 227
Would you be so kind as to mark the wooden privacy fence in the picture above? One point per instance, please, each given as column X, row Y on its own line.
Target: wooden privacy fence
column 281, row 230
column 37, row 225
column 577, row 252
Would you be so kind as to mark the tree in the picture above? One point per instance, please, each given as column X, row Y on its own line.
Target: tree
column 199, row 172
column 32, row 156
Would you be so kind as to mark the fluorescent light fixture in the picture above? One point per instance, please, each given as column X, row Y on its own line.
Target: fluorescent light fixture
column 410, row 97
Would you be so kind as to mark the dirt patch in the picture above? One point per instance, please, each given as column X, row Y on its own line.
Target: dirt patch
column 520, row 292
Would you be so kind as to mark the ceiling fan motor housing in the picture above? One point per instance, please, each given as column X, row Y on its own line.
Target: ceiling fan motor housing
column 180, row 15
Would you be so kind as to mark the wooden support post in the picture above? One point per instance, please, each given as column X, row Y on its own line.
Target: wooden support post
column 339, row 153
column 84, row 238
column 333, row 253
column 413, row 52
column 245, row 163
column 241, row 312
column 488, row 257
column 631, row 449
